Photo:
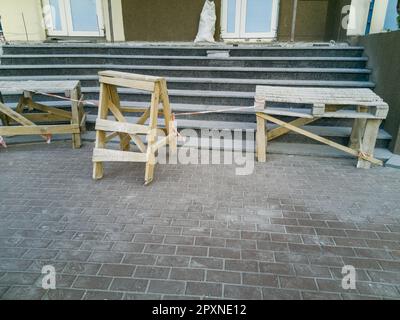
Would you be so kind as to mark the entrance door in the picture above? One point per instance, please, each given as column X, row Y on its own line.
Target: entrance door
column 74, row 18
column 249, row 19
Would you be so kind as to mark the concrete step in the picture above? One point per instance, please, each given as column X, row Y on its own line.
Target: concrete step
column 327, row 74
column 208, row 84
column 243, row 62
column 181, row 49
column 188, row 97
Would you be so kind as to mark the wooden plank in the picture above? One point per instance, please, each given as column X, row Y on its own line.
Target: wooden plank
column 334, row 96
column 132, row 110
column 369, row 142
column 124, row 127
column 38, row 130
column 278, row 132
column 75, row 96
column 15, row 116
column 261, row 140
column 318, row 138
column 125, row 139
column 127, row 83
column 111, row 136
column 33, row 85
column 129, row 76
column 120, row 117
column 105, row 155
column 41, row 117
column 357, row 131
column 61, row 113
column 152, row 137
column 287, row 113
column 160, row 143
column 144, row 117
column 98, row 168
column 21, row 105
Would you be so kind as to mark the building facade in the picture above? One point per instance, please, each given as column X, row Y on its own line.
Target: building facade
column 177, row 20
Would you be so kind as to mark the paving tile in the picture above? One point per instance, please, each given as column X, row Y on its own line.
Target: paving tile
column 152, row 272
column 129, row 285
column 116, row 270
column 169, row 287
column 188, row 274
column 280, row 294
column 288, row 239
column 204, row 289
column 23, row 293
column 92, row 283
column 223, row 276
column 257, row 279
column 102, row 295
column 290, row 282
column 106, row 257
column 242, row 292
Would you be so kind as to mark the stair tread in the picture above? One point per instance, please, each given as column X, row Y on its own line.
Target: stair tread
column 188, row 68
column 166, row 57
column 189, row 45
column 319, row 83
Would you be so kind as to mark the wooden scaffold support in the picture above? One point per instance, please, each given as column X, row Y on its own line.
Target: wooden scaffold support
column 119, row 127
column 363, row 106
column 33, row 118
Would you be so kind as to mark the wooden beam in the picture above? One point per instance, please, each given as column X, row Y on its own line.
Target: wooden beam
column 39, row 130
column 124, row 127
column 278, row 132
column 321, row 139
column 61, row 113
column 105, row 155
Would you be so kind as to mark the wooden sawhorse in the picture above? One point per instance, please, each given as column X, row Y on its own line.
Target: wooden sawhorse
column 363, row 105
column 18, row 122
column 110, row 102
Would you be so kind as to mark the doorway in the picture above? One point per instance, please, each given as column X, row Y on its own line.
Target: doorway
column 76, row 18
column 249, row 19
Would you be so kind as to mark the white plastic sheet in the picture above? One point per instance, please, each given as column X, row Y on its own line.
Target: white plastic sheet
column 208, row 19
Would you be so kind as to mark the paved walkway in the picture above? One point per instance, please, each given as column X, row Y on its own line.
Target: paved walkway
column 284, row 232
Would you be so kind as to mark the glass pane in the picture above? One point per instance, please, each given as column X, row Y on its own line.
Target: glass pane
column 56, row 15
column 231, row 16
column 258, row 16
column 391, row 16
column 84, row 15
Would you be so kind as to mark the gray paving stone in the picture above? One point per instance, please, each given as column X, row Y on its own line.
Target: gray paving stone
column 129, row 285
column 168, row 287
column 204, row 289
column 116, row 270
column 102, row 295
column 280, row 294
column 23, row 293
column 86, row 282
column 187, row 274
column 152, row 272
column 284, row 237
column 223, row 276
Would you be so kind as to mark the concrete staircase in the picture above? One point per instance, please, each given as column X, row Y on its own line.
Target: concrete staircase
column 197, row 81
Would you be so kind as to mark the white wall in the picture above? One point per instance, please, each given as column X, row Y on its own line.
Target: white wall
column 13, row 24
column 117, row 17
column 379, row 16
column 358, row 17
